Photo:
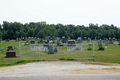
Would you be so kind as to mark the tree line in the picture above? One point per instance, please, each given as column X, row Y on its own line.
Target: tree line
column 13, row 30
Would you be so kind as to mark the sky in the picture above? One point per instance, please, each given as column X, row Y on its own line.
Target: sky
column 76, row 12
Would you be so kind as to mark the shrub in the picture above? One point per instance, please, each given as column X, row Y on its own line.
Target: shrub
column 53, row 41
column 61, row 58
column 101, row 48
column 59, row 43
column 70, row 59
column 89, row 48
column 39, row 42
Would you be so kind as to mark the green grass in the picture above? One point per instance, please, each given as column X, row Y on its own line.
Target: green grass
column 111, row 54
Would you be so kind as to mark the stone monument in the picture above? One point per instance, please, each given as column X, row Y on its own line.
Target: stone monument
column 79, row 40
column 51, row 47
column 10, row 52
column 32, row 41
column 55, row 49
column 110, row 41
column 63, row 39
column 106, row 41
column 89, row 42
column 100, row 42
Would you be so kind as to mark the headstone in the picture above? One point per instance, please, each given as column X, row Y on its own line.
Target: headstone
column 32, row 41
column 50, row 48
column 47, row 39
column 19, row 39
column 46, row 45
column 106, row 41
column 88, row 39
column 26, row 43
column 110, row 41
column 16, row 39
column 58, row 39
column 71, row 43
column 55, row 49
column 10, row 52
column 45, row 49
column 90, row 42
column 63, row 39
column 7, row 40
column 23, row 38
column 32, row 48
column 95, row 38
column 79, row 40
column 69, row 38
column 100, row 42
column 85, row 38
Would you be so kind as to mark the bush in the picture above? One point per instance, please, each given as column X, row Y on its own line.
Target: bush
column 53, row 41
column 89, row 48
column 59, row 43
column 61, row 58
column 67, row 59
column 101, row 48
column 70, row 59
column 39, row 42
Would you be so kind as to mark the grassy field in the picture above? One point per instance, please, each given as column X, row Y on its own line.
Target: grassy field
column 111, row 54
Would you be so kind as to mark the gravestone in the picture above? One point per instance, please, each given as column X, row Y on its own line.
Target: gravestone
column 51, row 47
column 55, row 49
column 10, row 52
column 79, row 40
column 63, row 39
column 32, row 41
column 114, row 39
column 19, row 39
column 106, row 41
column 88, row 39
column 71, row 43
column 95, row 38
column 89, row 42
column 110, row 41
column 26, row 43
column 69, row 38
column 85, row 38
column 7, row 40
column 45, row 49
column 100, row 42
column 46, row 45
column 23, row 38
column 47, row 39
column 58, row 39
column 16, row 39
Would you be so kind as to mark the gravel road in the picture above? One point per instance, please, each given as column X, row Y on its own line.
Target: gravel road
column 60, row 70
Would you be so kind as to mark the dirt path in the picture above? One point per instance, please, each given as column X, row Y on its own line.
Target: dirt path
column 55, row 68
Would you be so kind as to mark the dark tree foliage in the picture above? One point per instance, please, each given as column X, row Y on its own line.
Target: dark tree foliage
column 9, row 30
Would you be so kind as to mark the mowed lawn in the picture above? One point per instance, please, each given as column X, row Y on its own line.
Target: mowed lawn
column 111, row 53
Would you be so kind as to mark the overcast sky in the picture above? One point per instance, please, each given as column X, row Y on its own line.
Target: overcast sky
column 77, row 12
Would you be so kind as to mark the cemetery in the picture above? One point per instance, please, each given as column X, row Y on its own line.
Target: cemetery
column 48, row 49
